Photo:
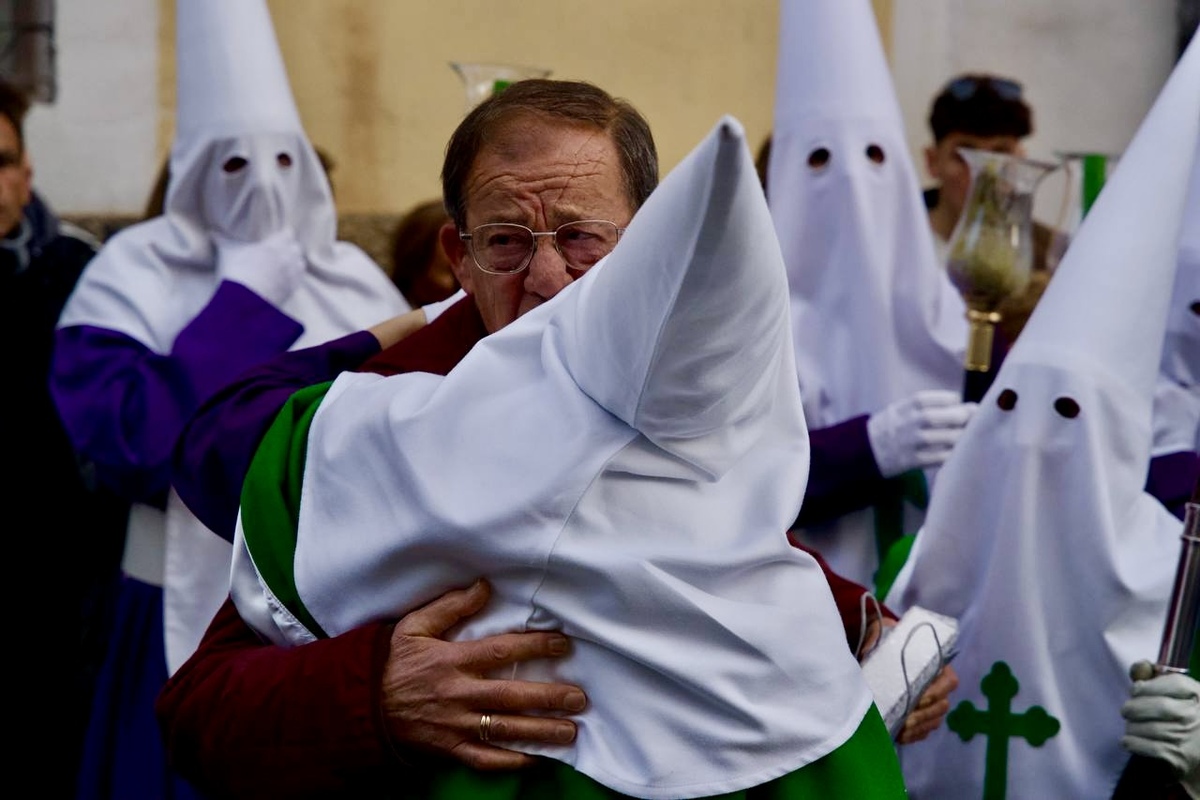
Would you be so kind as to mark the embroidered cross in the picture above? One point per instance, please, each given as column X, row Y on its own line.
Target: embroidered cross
column 999, row 724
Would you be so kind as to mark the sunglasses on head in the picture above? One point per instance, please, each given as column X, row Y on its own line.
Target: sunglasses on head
column 966, row 87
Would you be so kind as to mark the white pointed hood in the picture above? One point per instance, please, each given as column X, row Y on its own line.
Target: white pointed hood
column 152, row 279
column 1177, row 398
column 1040, row 537
column 1181, row 350
column 230, row 74
column 623, row 466
column 875, row 316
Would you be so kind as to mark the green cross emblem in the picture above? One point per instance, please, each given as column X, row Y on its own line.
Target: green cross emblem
column 999, row 724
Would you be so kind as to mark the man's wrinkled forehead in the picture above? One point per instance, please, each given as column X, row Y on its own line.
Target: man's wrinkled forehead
column 556, row 161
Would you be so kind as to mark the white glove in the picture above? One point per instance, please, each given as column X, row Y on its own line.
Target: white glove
column 918, row 431
column 271, row 268
column 435, row 309
column 1162, row 720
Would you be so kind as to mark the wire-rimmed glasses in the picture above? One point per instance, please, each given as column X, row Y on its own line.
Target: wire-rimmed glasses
column 505, row 248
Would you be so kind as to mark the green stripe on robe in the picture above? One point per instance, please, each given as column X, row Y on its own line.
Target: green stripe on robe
column 864, row 767
column 271, row 499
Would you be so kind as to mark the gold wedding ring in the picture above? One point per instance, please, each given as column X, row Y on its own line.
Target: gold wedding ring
column 485, row 727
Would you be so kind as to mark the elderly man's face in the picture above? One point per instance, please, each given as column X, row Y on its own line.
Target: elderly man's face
column 540, row 174
column 16, row 178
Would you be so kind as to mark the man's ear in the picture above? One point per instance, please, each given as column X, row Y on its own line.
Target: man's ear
column 460, row 259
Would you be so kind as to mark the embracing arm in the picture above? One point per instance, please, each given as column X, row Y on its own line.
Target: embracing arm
column 240, row 718
column 215, row 447
column 244, row 718
column 124, row 405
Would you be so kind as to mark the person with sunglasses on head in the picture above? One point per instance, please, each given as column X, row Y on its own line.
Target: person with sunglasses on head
column 983, row 112
column 988, row 112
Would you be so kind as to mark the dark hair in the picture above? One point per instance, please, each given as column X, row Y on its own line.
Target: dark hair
column 14, row 104
column 414, row 244
column 762, row 161
column 571, row 102
column 981, row 105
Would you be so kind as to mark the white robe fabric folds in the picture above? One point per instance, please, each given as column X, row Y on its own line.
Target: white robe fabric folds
column 622, row 463
column 1040, row 538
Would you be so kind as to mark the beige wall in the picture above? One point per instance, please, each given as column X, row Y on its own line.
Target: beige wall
column 374, row 88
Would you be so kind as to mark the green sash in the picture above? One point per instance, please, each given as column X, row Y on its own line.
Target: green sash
column 865, row 767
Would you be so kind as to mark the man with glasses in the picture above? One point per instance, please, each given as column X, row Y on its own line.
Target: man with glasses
column 540, row 183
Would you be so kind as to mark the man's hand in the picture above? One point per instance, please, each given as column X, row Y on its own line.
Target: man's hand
column 434, row 692
column 934, row 703
column 399, row 327
column 932, row 707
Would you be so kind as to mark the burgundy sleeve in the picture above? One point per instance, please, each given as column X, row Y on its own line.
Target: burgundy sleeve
column 243, row 718
column 217, row 444
column 842, row 475
column 847, row 595
column 124, row 405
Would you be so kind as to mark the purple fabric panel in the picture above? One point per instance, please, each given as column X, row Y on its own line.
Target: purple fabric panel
column 123, row 752
column 124, row 405
column 842, row 475
column 1172, row 478
column 218, row 443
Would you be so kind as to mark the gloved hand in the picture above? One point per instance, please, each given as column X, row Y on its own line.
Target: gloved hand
column 271, row 267
column 918, row 431
column 1162, row 720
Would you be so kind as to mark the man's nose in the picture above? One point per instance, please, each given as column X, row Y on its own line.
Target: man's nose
column 548, row 273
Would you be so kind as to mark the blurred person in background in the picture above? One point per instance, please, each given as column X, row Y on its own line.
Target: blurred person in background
column 62, row 521
column 420, row 268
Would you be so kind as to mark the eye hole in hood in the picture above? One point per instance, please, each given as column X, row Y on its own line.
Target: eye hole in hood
column 1067, row 407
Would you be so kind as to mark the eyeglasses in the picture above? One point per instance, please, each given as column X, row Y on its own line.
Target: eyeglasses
column 965, row 88
column 504, row 248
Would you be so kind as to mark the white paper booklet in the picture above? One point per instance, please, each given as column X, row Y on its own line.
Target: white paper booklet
column 906, row 660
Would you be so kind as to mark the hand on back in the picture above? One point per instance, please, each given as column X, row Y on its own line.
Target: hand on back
column 435, row 692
